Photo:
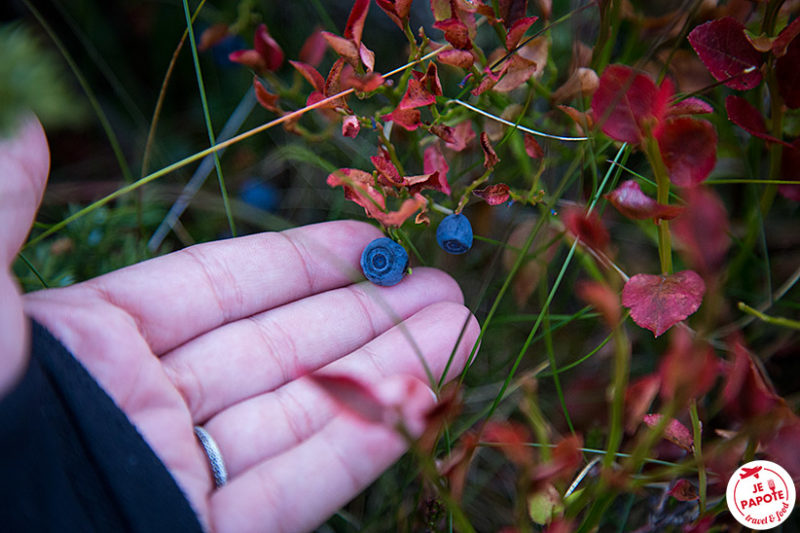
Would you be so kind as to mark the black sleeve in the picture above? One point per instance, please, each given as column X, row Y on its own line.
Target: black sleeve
column 71, row 461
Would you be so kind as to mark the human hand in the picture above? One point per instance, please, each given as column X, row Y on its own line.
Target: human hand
column 223, row 334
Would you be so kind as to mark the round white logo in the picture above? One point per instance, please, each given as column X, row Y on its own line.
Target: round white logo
column 761, row 495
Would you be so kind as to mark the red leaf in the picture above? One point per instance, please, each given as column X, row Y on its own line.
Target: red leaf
column 313, row 49
column 351, row 126
column 264, row 97
column 747, row 117
column 683, row 491
column 625, row 103
column 386, row 169
column 675, row 432
column 788, row 74
column 267, row 48
column 396, row 9
column 659, row 302
column 212, row 36
column 690, row 106
column 790, row 168
column 511, row 11
column 429, row 79
column 352, row 395
column 532, row 147
column 638, row 398
column 689, row 149
column 455, row 32
column 602, row 298
column 367, row 57
column 457, row 58
column 366, row 83
column 514, row 439
column 517, row 30
column 248, row 58
column 566, row 458
column 355, row 22
column 445, row 133
column 746, row 393
column 688, row 369
column 582, row 82
column 587, row 227
column 407, row 208
column 410, row 119
column 493, row 194
column 462, row 136
column 416, row 95
column 310, row 74
column 782, row 448
column 629, row 200
column 490, row 158
column 359, row 188
column 703, row 231
column 434, row 161
column 727, row 54
column 517, row 71
column 346, row 48
column 785, row 37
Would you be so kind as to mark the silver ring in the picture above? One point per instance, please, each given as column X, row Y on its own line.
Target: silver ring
column 213, row 454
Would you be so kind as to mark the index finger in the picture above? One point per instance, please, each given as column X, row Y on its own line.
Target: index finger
column 179, row 296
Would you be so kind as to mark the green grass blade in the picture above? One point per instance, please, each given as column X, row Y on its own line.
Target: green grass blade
column 207, row 117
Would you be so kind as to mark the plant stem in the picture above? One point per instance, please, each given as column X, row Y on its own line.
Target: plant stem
column 662, row 196
column 697, row 438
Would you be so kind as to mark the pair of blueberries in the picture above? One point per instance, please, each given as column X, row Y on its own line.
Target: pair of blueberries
column 384, row 262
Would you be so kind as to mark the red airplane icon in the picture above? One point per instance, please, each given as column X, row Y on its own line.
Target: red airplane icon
column 750, row 472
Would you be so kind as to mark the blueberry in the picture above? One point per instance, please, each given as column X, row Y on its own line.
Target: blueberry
column 454, row 234
column 384, row 262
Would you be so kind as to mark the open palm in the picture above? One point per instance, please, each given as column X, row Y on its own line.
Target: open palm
column 223, row 334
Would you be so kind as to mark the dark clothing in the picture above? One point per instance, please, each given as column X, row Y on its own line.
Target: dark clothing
column 70, row 460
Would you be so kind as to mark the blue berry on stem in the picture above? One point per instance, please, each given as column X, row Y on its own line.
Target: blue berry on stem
column 455, row 234
column 384, row 262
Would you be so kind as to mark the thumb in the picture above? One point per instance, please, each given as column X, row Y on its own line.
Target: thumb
column 24, row 165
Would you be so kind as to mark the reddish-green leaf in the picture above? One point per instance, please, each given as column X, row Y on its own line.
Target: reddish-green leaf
column 659, row 302
column 493, row 194
column 689, row 149
column 727, row 53
column 532, row 148
column 629, row 200
column 675, row 432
